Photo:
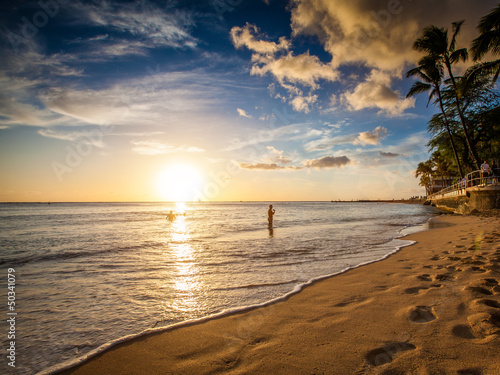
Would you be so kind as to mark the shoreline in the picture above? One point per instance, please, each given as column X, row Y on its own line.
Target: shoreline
column 254, row 338
column 71, row 364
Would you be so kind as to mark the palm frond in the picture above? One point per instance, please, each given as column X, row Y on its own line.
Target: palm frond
column 432, row 94
column 490, row 21
column 487, row 41
column 459, row 55
column 418, row 88
column 456, row 26
column 434, row 40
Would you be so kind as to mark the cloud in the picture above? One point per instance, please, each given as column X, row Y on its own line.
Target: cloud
column 362, row 138
column 13, row 112
column 162, row 99
column 327, row 162
column 371, row 138
column 388, row 154
column 147, row 24
column 245, row 37
column 291, row 71
column 151, row 148
column 303, row 69
column 262, row 166
column 303, row 103
column 194, row 149
column 277, row 156
column 87, row 136
column 376, row 92
column 379, row 33
column 243, row 113
column 327, row 142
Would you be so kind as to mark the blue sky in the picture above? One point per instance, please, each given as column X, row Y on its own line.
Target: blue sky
column 260, row 100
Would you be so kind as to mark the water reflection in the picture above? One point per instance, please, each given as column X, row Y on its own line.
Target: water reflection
column 271, row 231
column 186, row 276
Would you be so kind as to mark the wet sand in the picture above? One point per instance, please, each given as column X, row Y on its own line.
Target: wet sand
column 431, row 308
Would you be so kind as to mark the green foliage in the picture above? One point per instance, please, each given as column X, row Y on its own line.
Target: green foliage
column 467, row 129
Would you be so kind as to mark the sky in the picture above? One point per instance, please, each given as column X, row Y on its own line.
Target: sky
column 215, row 100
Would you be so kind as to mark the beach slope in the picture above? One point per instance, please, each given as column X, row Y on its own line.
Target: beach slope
column 431, row 308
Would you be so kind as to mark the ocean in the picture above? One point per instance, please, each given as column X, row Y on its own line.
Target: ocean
column 87, row 275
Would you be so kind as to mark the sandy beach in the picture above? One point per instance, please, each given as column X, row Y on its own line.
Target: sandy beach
column 431, row 308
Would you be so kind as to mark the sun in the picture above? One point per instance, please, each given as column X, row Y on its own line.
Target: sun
column 180, row 183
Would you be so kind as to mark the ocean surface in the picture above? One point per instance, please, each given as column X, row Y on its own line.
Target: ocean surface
column 90, row 274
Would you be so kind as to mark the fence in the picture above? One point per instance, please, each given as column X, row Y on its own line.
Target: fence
column 476, row 178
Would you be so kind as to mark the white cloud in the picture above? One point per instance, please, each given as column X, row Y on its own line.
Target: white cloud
column 94, row 137
column 153, row 147
column 162, row 100
column 376, row 92
column 303, row 69
column 15, row 112
column 277, row 156
column 291, row 71
column 245, row 37
column 371, row 138
column 363, row 138
column 149, row 24
column 149, row 148
column 303, row 103
column 243, row 113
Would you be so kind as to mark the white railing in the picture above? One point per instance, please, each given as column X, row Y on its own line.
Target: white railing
column 476, row 178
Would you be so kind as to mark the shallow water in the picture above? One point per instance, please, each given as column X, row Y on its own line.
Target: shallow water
column 88, row 274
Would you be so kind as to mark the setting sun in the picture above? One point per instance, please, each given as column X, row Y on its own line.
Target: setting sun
column 179, row 183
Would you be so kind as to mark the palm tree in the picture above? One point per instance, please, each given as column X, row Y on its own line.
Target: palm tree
column 434, row 41
column 487, row 41
column 424, row 170
column 489, row 38
column 431, row 74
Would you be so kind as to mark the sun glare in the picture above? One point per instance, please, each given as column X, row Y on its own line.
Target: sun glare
column 179, row 183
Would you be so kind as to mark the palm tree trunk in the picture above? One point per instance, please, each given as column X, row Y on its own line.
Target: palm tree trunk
column 472, row 149
column 446, row 124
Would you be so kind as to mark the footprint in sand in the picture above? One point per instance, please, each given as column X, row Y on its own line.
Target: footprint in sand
column 387, row 353
column 463, row 331
column 485, row 324
column 417, row 289
column 443, row 277
column 422, row 314
column 424, row 277
column 488, row 303
column 486, row 287
column 470, row 371
column 479, row 290
column 478, row 269
column 470, row 260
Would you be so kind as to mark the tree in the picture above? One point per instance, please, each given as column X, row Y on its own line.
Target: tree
column 431, row 73
column 424, row 170
column 434, row 41
column 488, row 41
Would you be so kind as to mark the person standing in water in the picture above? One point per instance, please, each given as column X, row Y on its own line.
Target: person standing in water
column 270, row 214
column 171, row 216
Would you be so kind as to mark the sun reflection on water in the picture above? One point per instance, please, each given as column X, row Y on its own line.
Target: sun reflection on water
column 187, row 283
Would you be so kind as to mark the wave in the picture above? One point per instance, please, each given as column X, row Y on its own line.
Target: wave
column 254, row 286
column 65, row 255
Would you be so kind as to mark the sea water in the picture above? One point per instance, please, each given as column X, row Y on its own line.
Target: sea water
column 89, row 274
